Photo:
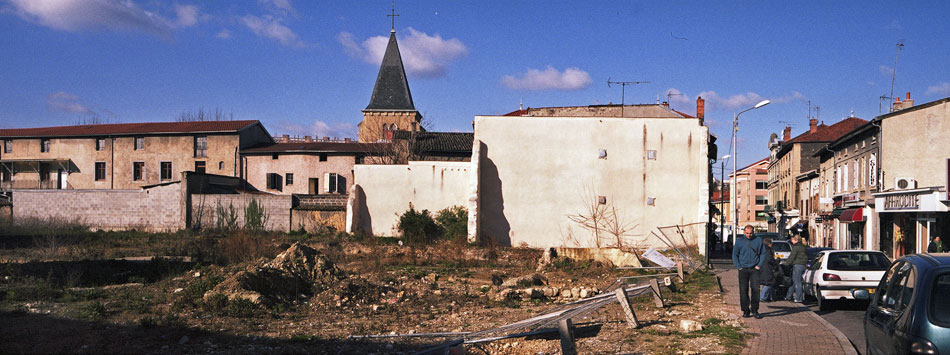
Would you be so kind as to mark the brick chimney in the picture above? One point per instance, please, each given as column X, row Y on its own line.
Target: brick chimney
column 787, row 134
column 908, row 102
column 701, row 110
column 285, row 138
column 812, row 125
column 898, row 104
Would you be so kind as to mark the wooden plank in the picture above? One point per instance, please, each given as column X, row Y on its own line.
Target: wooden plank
column 679, row 271
column 566, row 330
column 627, row 310
column 657, row 297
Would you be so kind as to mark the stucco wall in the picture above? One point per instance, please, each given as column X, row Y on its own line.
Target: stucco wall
column 536, row 171
column 303, row 166
column 277, row 208
column 155, row 209
column 387, row 190
column 914, row 145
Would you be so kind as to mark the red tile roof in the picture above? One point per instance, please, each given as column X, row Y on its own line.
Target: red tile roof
column 826, row 133
column 129, row 129
column 322, row 147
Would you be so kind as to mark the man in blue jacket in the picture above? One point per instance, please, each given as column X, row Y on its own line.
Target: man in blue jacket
column 747, row 257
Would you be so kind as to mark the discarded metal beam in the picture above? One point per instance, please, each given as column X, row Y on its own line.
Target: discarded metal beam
column 653, row 275
column 644, row 267
column 566, row 330
column 627, row 310
column 657, row 297
column 414, row 335
column 679, row 271
column 719, row 282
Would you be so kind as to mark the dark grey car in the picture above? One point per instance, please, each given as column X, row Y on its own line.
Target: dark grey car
column 909, row 312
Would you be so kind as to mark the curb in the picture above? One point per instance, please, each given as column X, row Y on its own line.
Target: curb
column 842, row 339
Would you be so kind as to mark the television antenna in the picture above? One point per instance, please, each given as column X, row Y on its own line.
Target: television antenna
column 881, row 100
column 623, row 90
column 900, row 45
column 671, row 94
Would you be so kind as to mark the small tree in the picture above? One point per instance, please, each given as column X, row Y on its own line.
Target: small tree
column 454, row 220
column 255, row 217
column 418, row 227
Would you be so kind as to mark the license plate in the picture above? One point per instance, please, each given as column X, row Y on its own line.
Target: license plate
column 871, row 291
column 779, row 256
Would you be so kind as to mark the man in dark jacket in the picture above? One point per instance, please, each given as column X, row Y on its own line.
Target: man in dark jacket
column 936, row 246
column 797, row 259
column 747, row 257
column 767, row 273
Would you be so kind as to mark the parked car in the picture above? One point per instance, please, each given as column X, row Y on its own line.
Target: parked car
column 813, row 253
column 835, row 274
column 909, row 312
column 781, row 249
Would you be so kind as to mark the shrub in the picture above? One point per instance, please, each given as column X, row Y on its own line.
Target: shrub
column 255, row 217
column 226, row 217
column 454, row 220
column 418, row 227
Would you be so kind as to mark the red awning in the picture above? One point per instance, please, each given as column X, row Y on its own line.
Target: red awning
column 852, row 215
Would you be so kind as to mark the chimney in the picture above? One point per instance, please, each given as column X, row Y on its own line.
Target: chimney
column 666, row 104
column 347, row 140
column 787, row 134
column 812, row 125
column 908, row 102
column 307, row 139
column 897, row 104
column 700, row 108
column 285, row 138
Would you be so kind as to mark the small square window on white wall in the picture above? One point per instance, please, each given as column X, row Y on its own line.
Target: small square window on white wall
column 651, row 201
column 651, row 154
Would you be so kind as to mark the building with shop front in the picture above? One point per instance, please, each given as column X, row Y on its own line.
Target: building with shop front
column 791, row 157
column 915, row 160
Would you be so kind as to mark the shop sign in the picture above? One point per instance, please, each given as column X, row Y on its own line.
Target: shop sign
column 901, row 202
column 852, row 197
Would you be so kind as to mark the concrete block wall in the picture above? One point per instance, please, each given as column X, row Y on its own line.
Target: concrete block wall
column 153, row 209
column 277, row 207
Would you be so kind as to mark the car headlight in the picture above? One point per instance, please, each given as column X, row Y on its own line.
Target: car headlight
column 922, row 346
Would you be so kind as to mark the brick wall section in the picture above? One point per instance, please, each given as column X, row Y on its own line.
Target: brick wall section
column 153, row 209
column 277, row 208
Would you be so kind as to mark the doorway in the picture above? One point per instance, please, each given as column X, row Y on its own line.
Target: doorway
column 924, row 226
column 60, row 179
column 314, row 184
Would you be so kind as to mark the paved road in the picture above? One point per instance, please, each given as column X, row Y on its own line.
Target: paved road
column 848, row 317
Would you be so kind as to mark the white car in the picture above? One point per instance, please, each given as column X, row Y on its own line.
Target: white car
column 835, row 274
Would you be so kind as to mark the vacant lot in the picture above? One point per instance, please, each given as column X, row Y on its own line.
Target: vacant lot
column 65, row 289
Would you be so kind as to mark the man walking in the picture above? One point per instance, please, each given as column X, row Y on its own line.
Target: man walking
column 797, row 259
column 747, row 257
column 936, row 246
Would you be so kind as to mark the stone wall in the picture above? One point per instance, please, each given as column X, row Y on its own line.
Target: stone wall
column 156, row 208
column 384, row 192
column 277, row 208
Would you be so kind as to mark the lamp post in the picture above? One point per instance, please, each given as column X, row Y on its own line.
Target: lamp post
column 722, row 209
column 735, row 157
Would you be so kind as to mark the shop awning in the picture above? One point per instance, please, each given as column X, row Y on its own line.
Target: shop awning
column 852, row 215
column 791, row 223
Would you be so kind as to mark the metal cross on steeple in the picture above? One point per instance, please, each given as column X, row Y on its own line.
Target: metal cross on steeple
column 393, row 15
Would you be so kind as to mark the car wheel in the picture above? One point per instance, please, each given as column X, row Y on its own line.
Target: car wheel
column 823, row 304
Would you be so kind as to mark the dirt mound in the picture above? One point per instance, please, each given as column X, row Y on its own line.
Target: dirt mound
column 298, row 271
column 356, row 291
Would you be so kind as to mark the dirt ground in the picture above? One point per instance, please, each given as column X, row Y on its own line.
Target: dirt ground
column 327, row 289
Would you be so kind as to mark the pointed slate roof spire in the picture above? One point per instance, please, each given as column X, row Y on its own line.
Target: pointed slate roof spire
column 391, row 92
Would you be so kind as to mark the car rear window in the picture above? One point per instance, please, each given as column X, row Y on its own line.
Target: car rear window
column 858, row 261
column 939, row 302
column 776, row 246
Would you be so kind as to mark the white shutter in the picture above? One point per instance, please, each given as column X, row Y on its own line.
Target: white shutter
column 326, row 182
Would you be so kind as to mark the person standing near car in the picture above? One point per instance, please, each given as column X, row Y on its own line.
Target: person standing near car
column 797, row 259
column 936, row 246
column 766, row 274
column 747, row 256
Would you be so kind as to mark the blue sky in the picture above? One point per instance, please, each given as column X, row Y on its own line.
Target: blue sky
column 308, row 67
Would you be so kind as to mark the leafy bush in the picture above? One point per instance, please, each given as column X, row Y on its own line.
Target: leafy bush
column 418, row 227
column 255, row 217
column 454, row 220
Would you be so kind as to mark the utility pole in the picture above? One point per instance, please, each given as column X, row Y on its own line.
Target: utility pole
column 623, row 88
column 900, row 45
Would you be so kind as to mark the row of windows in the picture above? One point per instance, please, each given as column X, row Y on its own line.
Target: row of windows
column 333, row 183
column 201, row 145
column 165, row 170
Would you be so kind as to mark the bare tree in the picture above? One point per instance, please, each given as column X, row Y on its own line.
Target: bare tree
column 604, row 220
column 201, row 115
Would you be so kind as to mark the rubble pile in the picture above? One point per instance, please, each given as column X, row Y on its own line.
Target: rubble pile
column 299, row 270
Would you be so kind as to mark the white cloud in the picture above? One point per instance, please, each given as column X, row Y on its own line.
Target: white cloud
column 318, row 129
column 743, row 101
column 283, row 7
column 187, row 15
column 941, row 89
column 223, row 34
column 676, row 97
column 549, row 79
column 422, row 54
column 885, row 70
column 270, row 27
column 114, row 15
column 65, row 102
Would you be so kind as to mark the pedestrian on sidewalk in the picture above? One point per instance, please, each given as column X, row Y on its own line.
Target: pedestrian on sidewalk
column 936, row 246
column 747, row 256
column 797, row 259
column 767, row 274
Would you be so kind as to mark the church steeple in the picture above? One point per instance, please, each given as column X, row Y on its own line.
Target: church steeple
column 391, row 92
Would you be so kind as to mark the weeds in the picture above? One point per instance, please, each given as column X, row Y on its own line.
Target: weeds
column 255, row 217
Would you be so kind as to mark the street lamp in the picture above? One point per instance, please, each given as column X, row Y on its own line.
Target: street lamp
column 735, row 157
column 722, row 209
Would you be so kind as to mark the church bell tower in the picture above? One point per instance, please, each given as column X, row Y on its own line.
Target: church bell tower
column 390, row 108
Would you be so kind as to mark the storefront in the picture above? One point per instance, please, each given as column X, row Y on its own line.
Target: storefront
column 909, row 219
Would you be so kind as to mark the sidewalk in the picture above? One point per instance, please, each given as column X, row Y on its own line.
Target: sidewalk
column 786, row 327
